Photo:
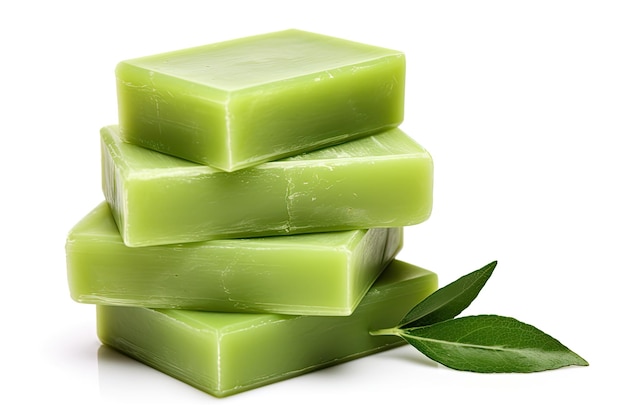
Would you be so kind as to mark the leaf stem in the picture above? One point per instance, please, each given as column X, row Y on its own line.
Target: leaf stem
column 392, row 331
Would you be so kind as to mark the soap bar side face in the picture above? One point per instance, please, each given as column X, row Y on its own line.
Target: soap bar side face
column 172, row 115
column 384, row 180
column 316, row 111
column 378, row 247
column 219, row 205
column 161, row 341
column 314, row 274
column 236, row 104
column 403, row 194
column 255, row 350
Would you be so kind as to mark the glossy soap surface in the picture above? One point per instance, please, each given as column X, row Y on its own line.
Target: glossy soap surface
column 227, row 353
column 313, row 274
column 383, row 180
column 238, row 103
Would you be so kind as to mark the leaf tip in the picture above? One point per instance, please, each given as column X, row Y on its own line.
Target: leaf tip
column 581, row 361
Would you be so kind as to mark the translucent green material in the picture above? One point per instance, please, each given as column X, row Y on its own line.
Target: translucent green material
column 238, row 103
column 226, row 353
column 313, row 274
column 384, row 180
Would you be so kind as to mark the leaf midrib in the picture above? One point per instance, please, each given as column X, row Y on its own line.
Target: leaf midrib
column 468, row 345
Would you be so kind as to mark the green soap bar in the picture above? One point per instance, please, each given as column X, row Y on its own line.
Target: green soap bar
column 226, row 353
column 384, row 180
column 238, row 103
column 313, row 274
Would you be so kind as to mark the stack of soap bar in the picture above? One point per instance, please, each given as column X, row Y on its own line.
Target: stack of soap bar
column 312, row 274
column 256, row 192
column 383, row 180
column 226, row 353
column 238, row 103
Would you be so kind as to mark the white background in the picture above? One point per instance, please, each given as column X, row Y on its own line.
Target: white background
column 522, row 105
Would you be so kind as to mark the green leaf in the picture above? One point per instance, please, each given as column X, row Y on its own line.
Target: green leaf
column 490, row 343
column 447, row 302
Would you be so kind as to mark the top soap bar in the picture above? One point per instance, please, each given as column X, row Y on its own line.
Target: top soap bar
column 238, row 103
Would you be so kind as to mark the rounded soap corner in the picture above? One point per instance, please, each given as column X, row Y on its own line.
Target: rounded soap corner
column 121, row 69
